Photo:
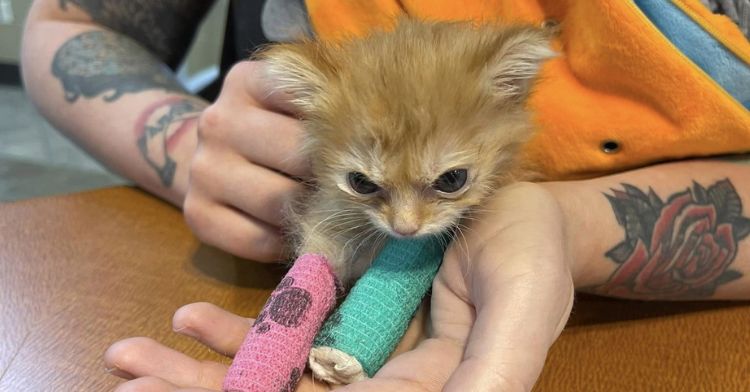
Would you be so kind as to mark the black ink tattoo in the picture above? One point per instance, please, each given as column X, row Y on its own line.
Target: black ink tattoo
column 681, row 248
column 742, row 159
column 95, row 62
column 164, row 27
column 160, row 127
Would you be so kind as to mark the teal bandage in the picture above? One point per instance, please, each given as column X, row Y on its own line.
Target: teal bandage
column 371, row 321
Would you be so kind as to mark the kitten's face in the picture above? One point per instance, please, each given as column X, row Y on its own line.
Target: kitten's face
column 413, row 127
column 406, row 200
column 419, row 183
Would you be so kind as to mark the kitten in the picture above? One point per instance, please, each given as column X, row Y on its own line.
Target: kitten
column 407, row 130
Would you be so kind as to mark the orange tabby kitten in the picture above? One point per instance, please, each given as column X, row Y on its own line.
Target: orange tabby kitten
column 407, row 130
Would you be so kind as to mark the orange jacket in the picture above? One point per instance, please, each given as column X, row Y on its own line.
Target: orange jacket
column 619, row 79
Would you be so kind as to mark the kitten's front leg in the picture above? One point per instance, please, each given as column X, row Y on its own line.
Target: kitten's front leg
column 344, row 235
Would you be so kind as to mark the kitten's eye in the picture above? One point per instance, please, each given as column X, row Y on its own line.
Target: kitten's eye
column 361, row 184
column 451, row 181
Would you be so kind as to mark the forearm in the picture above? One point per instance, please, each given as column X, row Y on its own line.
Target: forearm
column 688, row 239
column 113, row 97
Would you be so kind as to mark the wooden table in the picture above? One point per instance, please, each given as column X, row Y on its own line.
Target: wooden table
column 78, row 272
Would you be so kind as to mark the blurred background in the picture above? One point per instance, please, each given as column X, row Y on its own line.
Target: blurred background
column 36, row 160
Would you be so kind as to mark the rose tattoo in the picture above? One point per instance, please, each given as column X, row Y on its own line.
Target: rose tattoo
column 678, row 249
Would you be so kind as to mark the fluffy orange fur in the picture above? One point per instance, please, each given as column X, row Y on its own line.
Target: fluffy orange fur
column 402, row 108
column 617, row 78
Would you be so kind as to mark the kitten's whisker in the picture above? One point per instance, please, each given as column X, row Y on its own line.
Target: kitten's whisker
column 365, row 240
column 381, row 236
column 444, row 241
column 372, row 238
column 481, row 210
column 462, row 242
column 348, row 221
column 365, row 236
column 465, row 227
column 341, row 221
column 337, row 210
column 364, row 233
column 358, row 234
column 335, row 215
column 469, row 261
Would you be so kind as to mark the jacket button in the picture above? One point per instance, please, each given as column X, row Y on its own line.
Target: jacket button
column 550, row 24
column 610, row 146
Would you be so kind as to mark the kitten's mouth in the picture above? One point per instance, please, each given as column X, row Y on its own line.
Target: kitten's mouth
column 413, row 233
column 399, row 234
column 407, row 231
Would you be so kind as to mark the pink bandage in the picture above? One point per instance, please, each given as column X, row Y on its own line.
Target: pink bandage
column 275, row 351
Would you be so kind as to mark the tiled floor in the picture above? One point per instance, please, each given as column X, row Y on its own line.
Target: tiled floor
column 36, row 160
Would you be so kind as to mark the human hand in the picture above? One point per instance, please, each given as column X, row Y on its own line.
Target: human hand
column 244, row 167
column 152, row 367
column 501, row 298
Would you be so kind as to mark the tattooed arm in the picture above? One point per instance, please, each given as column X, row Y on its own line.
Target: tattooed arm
column 674, row 231
column 99, row 70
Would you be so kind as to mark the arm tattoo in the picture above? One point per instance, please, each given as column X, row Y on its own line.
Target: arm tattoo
column 160, row 127
column 94, row 62
column 742, row 159
column 164, row 27
column 681, row 248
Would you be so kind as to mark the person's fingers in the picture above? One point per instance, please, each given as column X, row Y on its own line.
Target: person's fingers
column 144, row 357
column 154, row 384
column 426, row 368
column 240, row 120
column 263, row 89
column 224, row 332
column 521, row 287
column 308, row 384
column 231, row 230
column 213, row 326
column 280, row 146
column 254, row 190
column 267, row 138
column 242, row 171
column 146, row 384
column 452, row 313
column 416, row 331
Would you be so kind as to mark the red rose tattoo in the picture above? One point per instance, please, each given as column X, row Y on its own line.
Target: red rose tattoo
column 678, row 249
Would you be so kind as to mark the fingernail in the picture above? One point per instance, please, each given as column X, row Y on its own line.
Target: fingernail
column 187, row 331
column 117, row 372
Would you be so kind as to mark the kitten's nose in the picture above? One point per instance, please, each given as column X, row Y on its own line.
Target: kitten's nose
column 406, row 220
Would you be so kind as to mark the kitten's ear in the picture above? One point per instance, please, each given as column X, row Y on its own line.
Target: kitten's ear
column 294, row 70
column 520, row 55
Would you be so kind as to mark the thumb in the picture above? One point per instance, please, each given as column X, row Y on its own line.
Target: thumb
column 522, row 290
column 510, row 338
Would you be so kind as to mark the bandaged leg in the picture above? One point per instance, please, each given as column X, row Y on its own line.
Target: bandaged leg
column 275, row 351
column 359, row 336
